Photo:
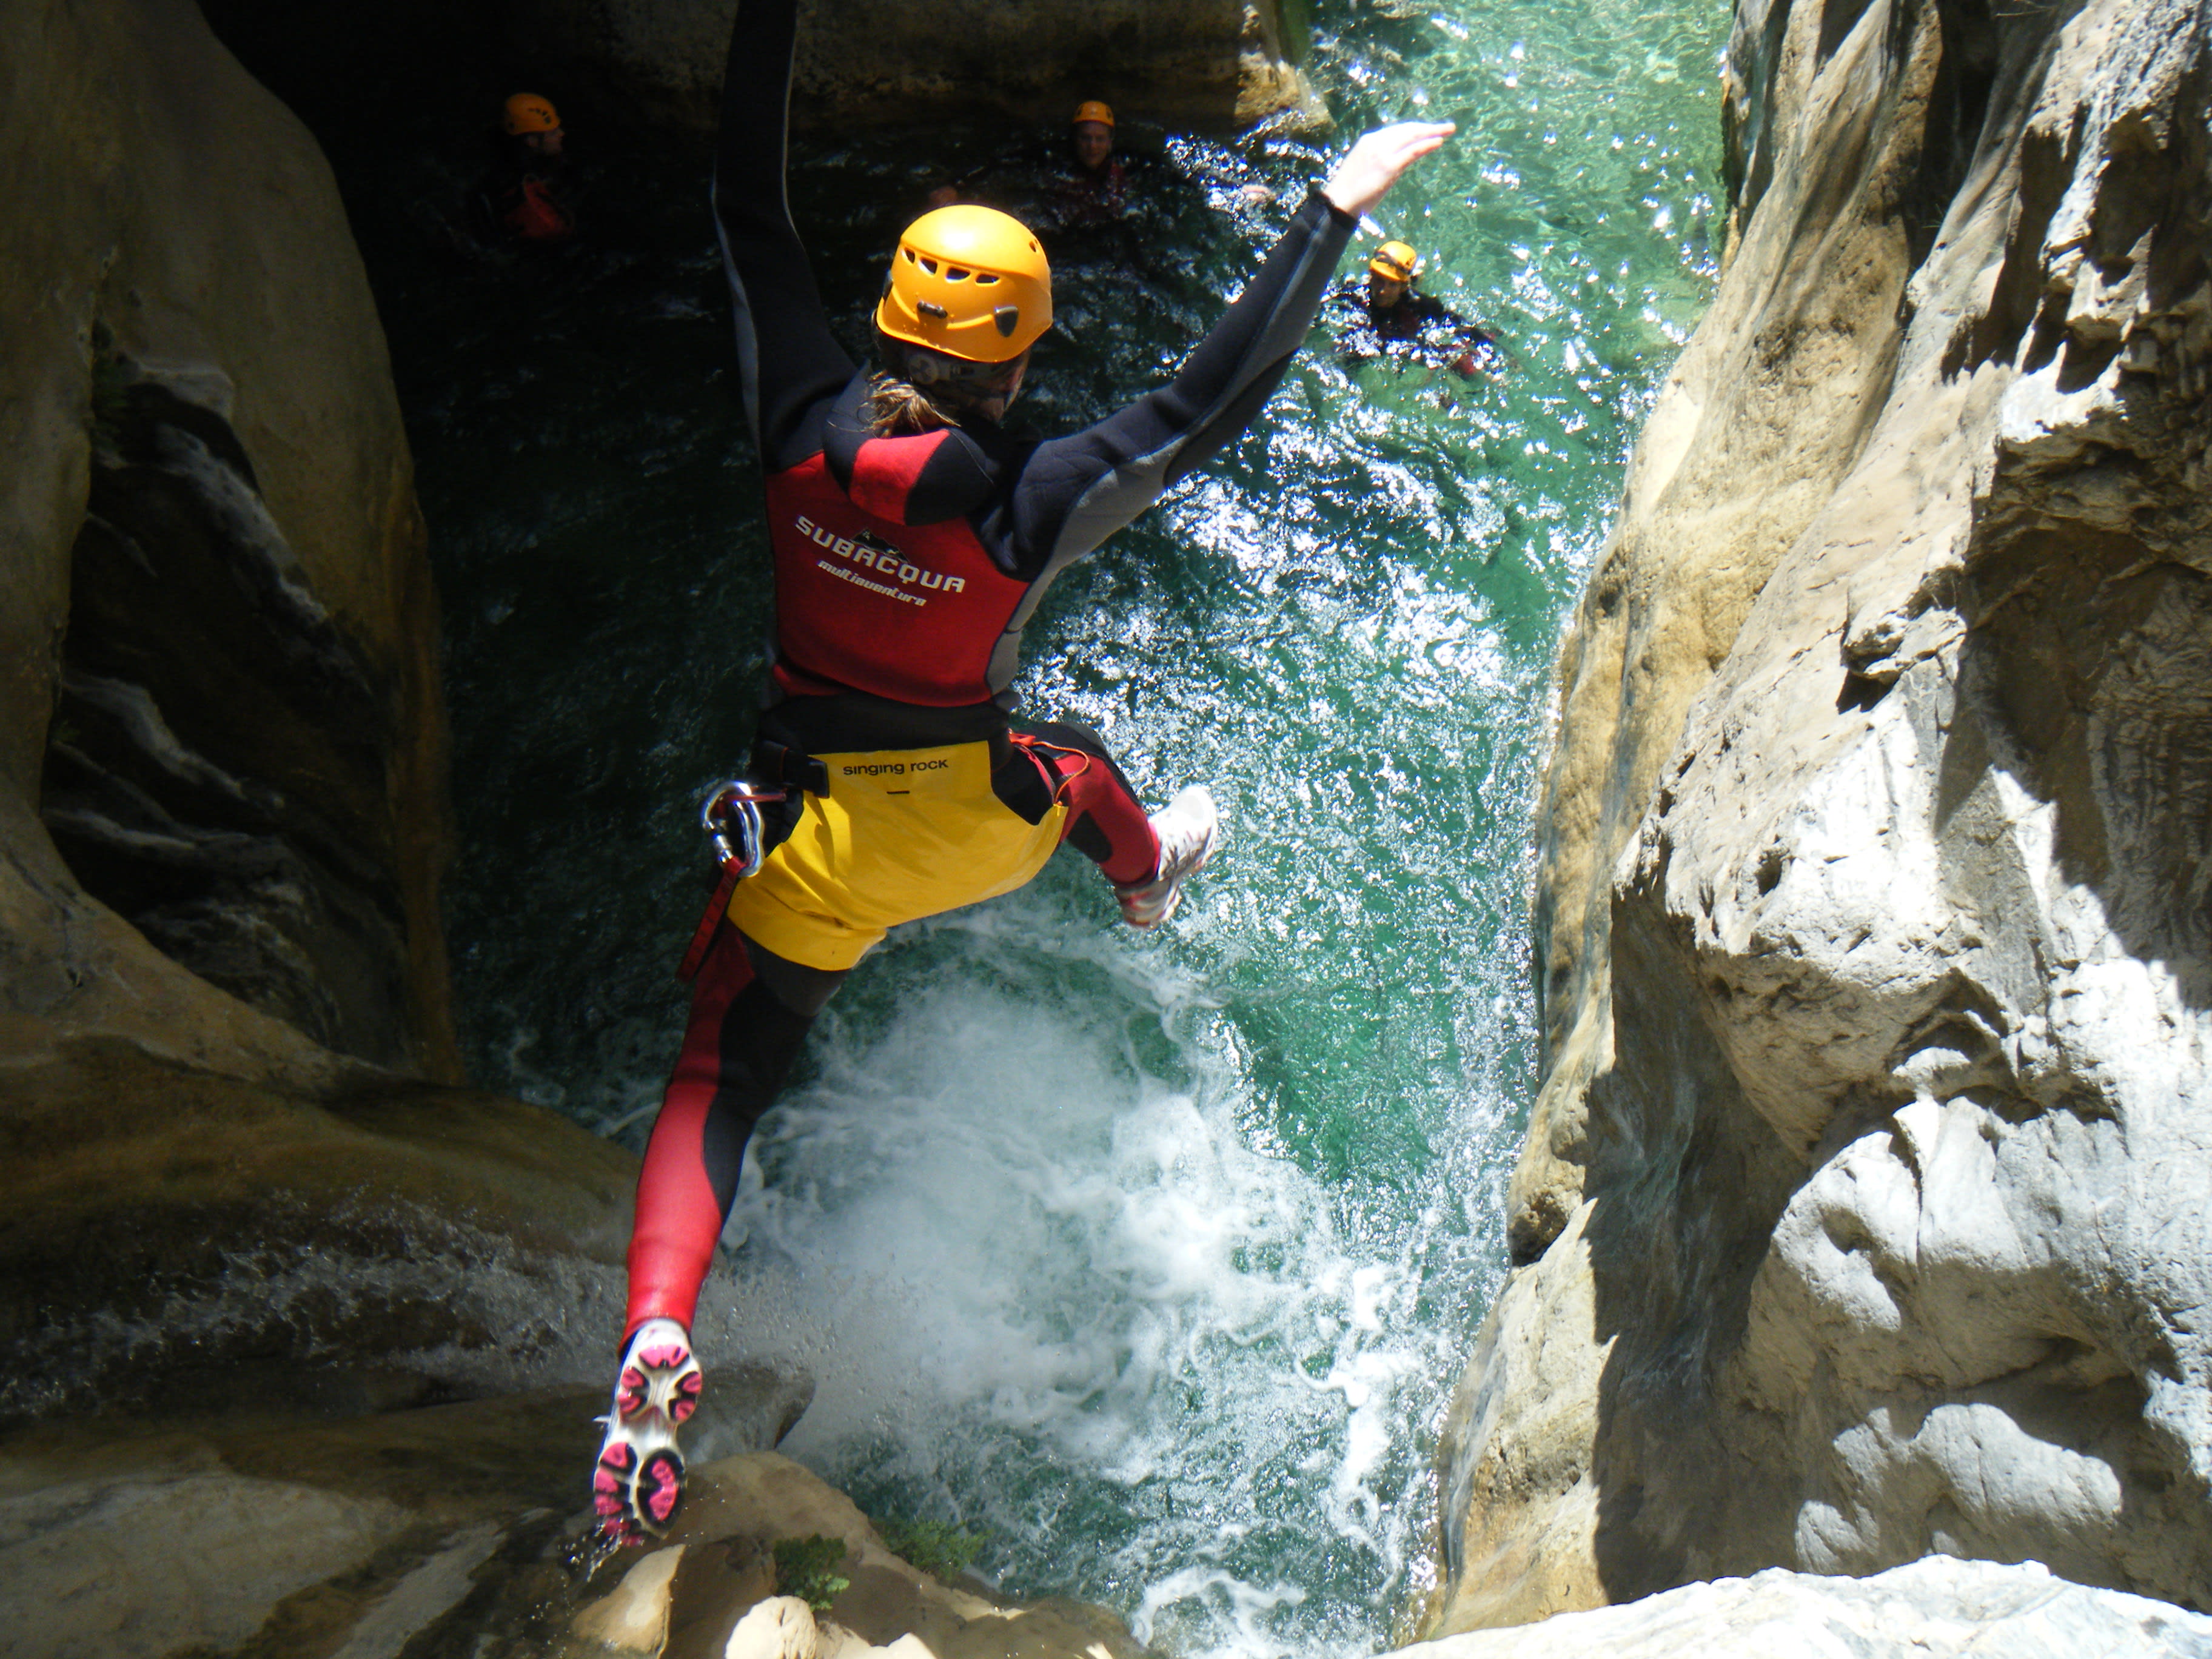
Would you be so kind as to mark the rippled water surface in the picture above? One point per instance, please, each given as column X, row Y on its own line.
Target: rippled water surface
column 1152, row 1259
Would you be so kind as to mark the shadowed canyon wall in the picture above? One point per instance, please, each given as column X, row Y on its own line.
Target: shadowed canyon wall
column 235, row 1156
column 222, row 717
column 1204, row 64
column 1864, row 1210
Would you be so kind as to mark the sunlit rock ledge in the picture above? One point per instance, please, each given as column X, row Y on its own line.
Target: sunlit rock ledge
column 1864, row 1212
column 1938, row 1608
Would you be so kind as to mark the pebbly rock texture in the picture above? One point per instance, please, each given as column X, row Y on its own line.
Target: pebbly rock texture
column 1939, row 1608
column 1203, row 62
column 1866, row 1209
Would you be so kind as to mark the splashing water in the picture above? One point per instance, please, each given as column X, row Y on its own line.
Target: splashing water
column 1152, row 1258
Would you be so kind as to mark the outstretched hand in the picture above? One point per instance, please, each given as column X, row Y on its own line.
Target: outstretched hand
column 1364, row 176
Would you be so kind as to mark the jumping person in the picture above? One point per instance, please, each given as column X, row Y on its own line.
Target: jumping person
column 911, row 539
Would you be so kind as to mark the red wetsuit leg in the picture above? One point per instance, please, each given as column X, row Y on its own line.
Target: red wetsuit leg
column 1106, row 822
column 738, row 1046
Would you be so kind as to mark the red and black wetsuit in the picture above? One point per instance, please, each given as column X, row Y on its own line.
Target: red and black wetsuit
column 906, row 568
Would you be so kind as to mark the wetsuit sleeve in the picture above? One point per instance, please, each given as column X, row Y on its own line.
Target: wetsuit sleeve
column 1074, row 492
column 789, row 363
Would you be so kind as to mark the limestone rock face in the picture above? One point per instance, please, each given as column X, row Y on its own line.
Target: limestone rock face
column 1941, row 1609
column 1207, row 63
column 233, row 1169
column 1863, row 1213
column 220, row 751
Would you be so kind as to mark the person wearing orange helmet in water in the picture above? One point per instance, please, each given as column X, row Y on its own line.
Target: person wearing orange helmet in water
column 1389, row 317
column 1098, row 188
column 526, row 197
column 1089, row 183
column 911, row 537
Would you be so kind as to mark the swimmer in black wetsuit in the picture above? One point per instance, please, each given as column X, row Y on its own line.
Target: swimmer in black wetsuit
column 1096, row 188
column 912, row 538
column 1389, row 317
column 1082, row 182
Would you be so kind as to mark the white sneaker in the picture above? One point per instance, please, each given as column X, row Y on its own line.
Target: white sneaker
column 1189, row 830
column 637, row 1486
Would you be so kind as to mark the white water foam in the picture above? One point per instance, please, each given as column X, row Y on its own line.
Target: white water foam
column 1063, row 1295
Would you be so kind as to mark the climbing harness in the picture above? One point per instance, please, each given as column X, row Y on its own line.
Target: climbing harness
column 731, row 816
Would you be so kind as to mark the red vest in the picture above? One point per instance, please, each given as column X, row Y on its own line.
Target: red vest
column 537, row 217
column 910, row 612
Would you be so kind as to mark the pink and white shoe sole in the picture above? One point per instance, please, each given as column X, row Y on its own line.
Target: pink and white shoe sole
column 637, row 1485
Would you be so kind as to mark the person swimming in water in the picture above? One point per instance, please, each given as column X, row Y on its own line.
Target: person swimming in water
column 912, row 538
column 1082, row 182
column 1096, row 188
column 1389, row 316
column 525, row 199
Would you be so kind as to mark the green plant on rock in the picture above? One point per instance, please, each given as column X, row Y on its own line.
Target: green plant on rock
column 807, row 1568
column 940, row 1548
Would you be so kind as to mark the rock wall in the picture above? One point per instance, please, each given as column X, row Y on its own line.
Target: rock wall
column 1863, row 1213
column 220, row 750
column 1203, row 62
column 234, row 1173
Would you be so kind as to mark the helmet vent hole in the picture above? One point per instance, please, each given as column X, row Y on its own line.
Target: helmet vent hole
column 930, row 266
column 984, row 279
column 909, row 255
column 954, row 274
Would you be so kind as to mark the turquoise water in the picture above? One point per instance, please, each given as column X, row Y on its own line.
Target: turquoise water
column 1152, row 1259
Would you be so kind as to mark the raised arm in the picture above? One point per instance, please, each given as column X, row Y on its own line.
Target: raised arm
column 789, row 361
column 1077, row 491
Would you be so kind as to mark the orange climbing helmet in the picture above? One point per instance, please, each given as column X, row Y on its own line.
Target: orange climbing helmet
column 970, row 281
column 1091, row 110
column 527, row 112
column 1397, row 261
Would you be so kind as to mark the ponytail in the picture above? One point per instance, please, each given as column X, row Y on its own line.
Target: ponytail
column 894, row 408
column 921, row 390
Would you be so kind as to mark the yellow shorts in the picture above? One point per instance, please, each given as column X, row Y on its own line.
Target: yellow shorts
column 902, row 833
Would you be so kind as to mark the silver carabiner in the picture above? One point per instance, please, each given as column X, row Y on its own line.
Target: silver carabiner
column 731, row 818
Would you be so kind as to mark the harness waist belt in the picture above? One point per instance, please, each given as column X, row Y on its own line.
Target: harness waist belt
column 776, row 763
